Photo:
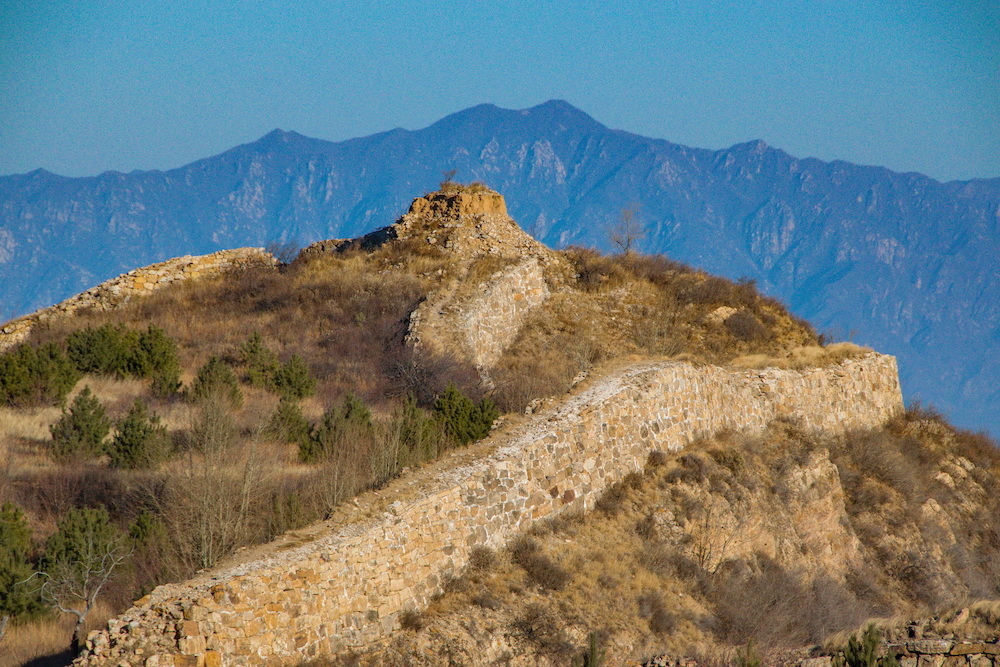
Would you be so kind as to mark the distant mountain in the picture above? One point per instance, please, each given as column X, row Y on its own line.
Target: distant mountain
column 900, row 262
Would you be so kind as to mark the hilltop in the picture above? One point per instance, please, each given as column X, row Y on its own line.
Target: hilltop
column 895, row 261
column 367, row 366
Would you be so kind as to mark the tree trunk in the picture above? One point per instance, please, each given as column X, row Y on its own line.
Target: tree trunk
column 76, row 643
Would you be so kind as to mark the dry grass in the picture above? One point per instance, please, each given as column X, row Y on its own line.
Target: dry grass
column 45, row 642
column 682, row 560
column 648, row 306
column 805, row 356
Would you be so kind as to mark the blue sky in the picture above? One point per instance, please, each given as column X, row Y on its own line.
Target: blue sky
column 91, row 86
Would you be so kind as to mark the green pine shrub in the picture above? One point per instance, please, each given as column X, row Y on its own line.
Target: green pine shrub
column 265, row 370
column 463, row 419
column 864, row 651
column 17, row 598
column 33, row 375
column 259, row 361
column 420, row 434
column 79, row 434
column 122, row 352
column 216, row 379
column 140, row 441
column 293, row 379
column 287, row 423
column 349, row 422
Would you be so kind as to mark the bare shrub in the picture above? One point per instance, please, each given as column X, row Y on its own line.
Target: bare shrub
column 745, row 326
column 654, row 610
column 540, row 569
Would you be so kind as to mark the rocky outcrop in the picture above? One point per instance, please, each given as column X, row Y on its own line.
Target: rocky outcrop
column 474, row 316
column 136, row 283
column 353, row 580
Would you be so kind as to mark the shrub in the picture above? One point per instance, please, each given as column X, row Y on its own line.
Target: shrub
column 287, row 423
column 464, row 420
column 260, row 362
column 351, row 421
column 120, row 351
column 293, row 380
column 33, row 375
column 653, row 609
column 140, row 441
column 215, row 378
column 541, row 569
column 80, row 432
column 101, row 350
column 863, row 651
column 16, row 597
column 79, row 560
column 745, row 326
column 419, row 433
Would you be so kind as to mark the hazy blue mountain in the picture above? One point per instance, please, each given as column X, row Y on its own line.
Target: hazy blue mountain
column 897, row 261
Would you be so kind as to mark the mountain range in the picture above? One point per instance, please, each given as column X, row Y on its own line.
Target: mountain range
column 897, row 261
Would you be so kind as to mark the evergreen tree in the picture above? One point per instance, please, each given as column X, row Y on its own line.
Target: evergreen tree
column 260, row 362
column 463, row 419
column 140, row 441
column 287, row 423
column 17, row 597
column 215, row 378
column 79, row 434
column 350, row 421
column 293, row 380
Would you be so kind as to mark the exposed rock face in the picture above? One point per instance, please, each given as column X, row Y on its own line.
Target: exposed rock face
column 477, row 315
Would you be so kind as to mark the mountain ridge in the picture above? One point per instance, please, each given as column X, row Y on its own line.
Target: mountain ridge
column 904, row 260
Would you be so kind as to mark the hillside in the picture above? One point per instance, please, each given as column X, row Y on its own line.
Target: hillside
column 676, row 453
column 264, row 396
column 787, row 539
column 898, row 262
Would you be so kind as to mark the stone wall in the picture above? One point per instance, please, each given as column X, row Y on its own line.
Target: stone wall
column 350, row 584
column 932, row 653
column 138, row 282
column 497, row 315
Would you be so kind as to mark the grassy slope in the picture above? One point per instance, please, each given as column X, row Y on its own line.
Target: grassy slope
column 724, row 543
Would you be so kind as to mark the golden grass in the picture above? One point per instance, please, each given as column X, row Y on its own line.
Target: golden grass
column 803, row 356
column 47, row 639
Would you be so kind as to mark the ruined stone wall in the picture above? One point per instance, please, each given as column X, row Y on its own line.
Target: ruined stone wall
column 351, row 583
column 138, row 282
column 497, row 315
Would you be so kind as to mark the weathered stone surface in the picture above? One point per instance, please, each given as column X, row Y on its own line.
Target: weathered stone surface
column 930, row 646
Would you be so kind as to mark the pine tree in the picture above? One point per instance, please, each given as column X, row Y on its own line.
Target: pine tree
column 215, row 378
column 464, row 420
column 80, row 558
column 293, row 380
column 140, row 441
column 79, row 434
column 17, row 597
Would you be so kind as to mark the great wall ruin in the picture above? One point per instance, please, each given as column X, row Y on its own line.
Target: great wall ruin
column 350, row 580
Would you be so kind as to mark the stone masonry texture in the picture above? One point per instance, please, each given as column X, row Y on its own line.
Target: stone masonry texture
column 351, row 583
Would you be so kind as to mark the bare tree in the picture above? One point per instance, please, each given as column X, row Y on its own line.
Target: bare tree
column 628, row 231
column 80, row 559
column 213, row 505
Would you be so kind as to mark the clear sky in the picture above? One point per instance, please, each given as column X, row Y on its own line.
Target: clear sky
column 90, row 86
